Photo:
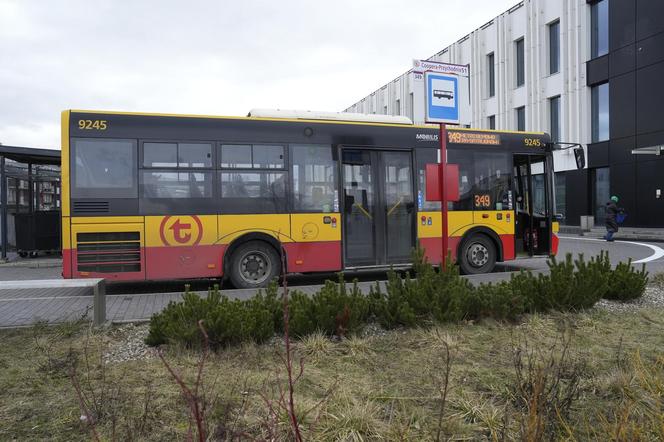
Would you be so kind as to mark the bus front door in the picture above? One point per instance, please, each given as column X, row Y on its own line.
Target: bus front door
column 533, row 205
column 378, row 207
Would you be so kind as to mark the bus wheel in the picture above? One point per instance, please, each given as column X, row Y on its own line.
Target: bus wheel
column 254, row 264
column 478, row 255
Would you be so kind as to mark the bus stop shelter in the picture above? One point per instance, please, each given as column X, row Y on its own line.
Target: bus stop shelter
column 29, row 184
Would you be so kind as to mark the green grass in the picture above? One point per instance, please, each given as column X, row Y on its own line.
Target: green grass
column 361, row 388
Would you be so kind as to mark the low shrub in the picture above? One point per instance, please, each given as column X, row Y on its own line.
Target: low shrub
column 626, row 283
column 574, row 284
column 436, row 295
column 393, row 307
column 226, row 321
column 338, row 311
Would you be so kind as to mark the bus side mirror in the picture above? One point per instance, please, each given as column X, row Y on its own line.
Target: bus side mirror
column 580, row 157
column 432, row 176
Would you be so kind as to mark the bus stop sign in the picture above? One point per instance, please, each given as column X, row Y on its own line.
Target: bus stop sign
column 442, row 98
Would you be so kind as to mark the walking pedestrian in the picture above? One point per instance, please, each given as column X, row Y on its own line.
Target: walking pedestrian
column 611, row 222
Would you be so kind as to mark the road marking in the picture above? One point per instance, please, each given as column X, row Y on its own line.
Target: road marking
column 658, row 251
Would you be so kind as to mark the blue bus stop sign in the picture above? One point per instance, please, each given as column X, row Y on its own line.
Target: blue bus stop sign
column 442, row 98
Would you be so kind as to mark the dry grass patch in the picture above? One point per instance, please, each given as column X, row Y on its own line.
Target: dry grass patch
column 380, row 387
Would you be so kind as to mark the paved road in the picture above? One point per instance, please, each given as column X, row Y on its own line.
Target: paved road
column 139, row 301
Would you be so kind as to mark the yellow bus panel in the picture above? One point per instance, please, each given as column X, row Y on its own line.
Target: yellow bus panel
column 500, row 221
column 312, row 227
column 66, row 233
column 180, row 230
column 234, row 226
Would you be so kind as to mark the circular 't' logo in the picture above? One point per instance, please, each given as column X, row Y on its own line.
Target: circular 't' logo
column 181, row 230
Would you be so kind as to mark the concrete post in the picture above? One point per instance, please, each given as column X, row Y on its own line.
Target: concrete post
column 99, row 303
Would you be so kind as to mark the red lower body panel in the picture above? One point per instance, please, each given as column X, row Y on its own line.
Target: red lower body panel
column 207, row 262
column 508, row 247
column 66, row 263
column 433, row 248
column 119, row 276
column 324, row 256
column 184, row 262
column 555, row 242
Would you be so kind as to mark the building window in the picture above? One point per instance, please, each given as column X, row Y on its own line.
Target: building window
column 601, row 192
column 600, row 112
column 492, row 122
column 559, row 194
column 398, row 108
column 411, row 106
column 492, row 74
column 554, row 113
column 599, row 28
column 521, row 118
column 554, row 47
column 520, row 63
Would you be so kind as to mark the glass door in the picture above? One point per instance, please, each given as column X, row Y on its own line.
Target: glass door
column 359, row 199
column 379, row 207
column 534, row 204
column 399, row 206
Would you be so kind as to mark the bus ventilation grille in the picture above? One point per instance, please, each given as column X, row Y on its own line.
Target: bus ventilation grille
column 91, row 206
column 109, row 252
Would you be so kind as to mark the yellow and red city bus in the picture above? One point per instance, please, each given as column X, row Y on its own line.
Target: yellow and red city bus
column 160, row 196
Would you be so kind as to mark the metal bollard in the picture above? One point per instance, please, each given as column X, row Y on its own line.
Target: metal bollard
column 99, row 303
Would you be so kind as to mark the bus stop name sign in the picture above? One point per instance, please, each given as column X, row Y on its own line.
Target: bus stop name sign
column 442, row 98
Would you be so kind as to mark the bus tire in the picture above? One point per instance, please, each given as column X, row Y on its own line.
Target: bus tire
column 477, row 255
column 254, row 264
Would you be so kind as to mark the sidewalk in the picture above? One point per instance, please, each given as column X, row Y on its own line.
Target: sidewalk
column 624, row 234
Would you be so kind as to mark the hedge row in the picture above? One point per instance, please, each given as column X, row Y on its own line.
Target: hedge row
column 437, row 294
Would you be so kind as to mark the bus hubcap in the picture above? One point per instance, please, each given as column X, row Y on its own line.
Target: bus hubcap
column 478, row 255
column 255, row 267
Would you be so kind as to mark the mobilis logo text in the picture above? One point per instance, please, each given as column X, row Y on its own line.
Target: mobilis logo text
column 426, row 137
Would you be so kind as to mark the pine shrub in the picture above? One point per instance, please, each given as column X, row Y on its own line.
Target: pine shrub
column 335, row 310
column 393, row 307
column 226, row 321
column 300, row 308
column 436, row 295
column 627, row 283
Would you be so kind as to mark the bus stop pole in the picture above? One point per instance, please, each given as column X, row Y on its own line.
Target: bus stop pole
column 443, row 197
column 3, row 208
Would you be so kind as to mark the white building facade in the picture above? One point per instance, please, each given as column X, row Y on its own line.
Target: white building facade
column 527, row 72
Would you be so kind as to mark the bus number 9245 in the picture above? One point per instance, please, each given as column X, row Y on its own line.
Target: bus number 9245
column 92, row 124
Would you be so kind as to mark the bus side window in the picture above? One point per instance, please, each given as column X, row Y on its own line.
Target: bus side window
column 314, row 184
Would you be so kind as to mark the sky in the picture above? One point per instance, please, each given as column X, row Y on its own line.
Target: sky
column 211, row 57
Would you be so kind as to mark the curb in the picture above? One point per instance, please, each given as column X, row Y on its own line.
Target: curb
column 31, row 265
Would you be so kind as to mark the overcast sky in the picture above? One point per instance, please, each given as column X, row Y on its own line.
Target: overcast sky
column 214, row 57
